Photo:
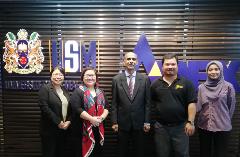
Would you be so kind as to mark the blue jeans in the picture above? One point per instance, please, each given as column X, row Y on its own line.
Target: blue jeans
column 171, row 140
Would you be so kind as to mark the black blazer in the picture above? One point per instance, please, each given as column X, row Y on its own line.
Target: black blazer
column 51, row 109
column 130, row 112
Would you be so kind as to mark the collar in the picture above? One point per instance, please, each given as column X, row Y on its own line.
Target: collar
column 178, row 78
column 52, row 86
column 127, row 74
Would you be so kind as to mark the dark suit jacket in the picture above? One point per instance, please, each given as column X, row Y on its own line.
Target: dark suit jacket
column 130, row 112
column 51, row 109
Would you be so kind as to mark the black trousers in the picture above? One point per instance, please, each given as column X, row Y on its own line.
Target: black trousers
column 213, row 143
column 77, row 145
column 55, row 145
column 98, row 149
column 137, row 140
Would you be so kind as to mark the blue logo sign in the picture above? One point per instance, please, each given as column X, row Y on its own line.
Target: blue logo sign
column 190, row 69
column 74, row 52
column 71, row 53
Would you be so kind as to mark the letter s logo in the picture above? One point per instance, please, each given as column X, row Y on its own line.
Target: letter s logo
column 72, row 56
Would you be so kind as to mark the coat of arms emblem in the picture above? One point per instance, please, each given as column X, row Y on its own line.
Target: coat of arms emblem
column 21, row 55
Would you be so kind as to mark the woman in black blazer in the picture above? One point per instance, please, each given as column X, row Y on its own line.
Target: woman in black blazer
column 55, row 115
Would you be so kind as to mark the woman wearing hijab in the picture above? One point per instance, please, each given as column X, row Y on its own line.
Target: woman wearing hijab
column 90, row 110
column 216, row 104
column 55, row 115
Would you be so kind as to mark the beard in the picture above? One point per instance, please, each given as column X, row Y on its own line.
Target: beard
column 172, row 72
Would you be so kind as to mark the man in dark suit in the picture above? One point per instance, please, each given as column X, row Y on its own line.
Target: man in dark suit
column 130, row 107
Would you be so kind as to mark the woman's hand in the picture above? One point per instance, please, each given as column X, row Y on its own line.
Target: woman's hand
column 66, row 125
column 95, row 121
column 60, row 125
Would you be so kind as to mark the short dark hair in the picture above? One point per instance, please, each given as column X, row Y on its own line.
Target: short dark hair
column 169, row 56
column 85, row 70
column 58, row 67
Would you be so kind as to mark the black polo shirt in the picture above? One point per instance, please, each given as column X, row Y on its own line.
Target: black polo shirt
column 170, row 103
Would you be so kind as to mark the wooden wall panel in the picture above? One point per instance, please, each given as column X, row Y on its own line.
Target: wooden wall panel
column 1, row 113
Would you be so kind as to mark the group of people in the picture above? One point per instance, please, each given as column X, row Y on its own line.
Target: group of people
column 168, row 106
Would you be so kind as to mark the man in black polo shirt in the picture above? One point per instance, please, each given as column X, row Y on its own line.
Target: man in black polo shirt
column 173, row 100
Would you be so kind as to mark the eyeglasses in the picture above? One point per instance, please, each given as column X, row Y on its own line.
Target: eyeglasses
column 58, row 74
column 89, row 75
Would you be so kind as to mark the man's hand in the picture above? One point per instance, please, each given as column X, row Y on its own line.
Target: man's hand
column 115, row 127
column 146, row 127
column 189, row 129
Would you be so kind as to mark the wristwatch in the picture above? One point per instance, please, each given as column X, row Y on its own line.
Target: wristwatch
column 102, row 119
column 190, row 122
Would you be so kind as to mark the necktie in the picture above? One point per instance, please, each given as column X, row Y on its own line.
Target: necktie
column 130, row 85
